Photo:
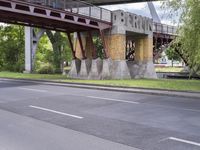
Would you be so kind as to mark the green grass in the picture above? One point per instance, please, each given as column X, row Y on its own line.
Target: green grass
column 169, row 69
column 170, row 84
column 31, row 76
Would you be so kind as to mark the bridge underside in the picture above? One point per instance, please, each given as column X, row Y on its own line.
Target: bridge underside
column 19, row 12
column 33, row 21
column 127, row 38
column 111, row 2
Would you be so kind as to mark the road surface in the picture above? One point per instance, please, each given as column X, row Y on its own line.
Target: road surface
column 37, row 116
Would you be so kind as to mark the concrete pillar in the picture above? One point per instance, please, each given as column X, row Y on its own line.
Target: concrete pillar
column 96, row 69
column 144, row 49
column 148, row 48
column 31, row 42
column 116, row 44
column 139, row 49
column 28, row 49
column 143, row 66
column 75, row 68
column 85, row 68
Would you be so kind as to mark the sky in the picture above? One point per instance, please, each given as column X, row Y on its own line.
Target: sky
column 142, row 9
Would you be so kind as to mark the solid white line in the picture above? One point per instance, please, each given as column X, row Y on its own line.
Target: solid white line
column 57, row 112
column 29, row 89
column 111, row 99
column 184, row 141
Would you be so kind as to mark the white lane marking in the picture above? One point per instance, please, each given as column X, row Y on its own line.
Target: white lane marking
column 111, row 99
column 57, row 112
column 29, row 89
column 184, row 141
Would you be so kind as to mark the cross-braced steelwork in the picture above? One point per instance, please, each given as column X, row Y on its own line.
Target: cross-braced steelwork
column 162, row 37
column 61, row 15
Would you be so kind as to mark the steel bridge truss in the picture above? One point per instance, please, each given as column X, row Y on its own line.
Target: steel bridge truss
column 66, row 16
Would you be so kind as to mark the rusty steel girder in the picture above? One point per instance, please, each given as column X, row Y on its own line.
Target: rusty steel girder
column 36, row 15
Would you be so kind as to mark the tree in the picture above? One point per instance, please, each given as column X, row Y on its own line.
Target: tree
column 61, row 50
column 188, row 41
column 99, row 47
column 172, row 55
column 12, row 48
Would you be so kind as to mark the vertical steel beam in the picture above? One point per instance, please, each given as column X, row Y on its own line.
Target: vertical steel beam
column 81, row 45
column 71, row 45
column 104, row 43
column 94, row 50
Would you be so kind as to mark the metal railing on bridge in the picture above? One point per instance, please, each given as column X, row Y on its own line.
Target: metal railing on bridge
column 164, row 29
column 78, row 7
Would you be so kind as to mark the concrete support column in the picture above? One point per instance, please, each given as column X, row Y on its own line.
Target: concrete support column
column 144, row 49
column 143, row 66
column 139, row 50
column 31, row 42
column 116, row 44
column 28, row 49
column 148, row 48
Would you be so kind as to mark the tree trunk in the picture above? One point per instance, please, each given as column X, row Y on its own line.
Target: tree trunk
column 54, row 39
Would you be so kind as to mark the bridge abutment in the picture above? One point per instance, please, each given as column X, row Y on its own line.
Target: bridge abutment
column 126, row 26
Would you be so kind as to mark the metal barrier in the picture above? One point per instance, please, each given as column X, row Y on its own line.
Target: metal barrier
column 78, row 7
column 164, row 29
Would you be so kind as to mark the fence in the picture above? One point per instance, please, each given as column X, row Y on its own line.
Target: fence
column 78, row 7
column 164, row 29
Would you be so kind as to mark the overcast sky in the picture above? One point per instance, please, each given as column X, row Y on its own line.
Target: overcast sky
column 142, row 9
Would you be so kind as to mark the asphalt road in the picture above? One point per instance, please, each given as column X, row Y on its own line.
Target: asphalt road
column 36, row 116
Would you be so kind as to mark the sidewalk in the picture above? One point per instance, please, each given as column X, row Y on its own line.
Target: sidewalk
column 111, row 88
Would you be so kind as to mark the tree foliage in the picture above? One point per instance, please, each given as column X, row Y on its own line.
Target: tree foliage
column 172, row 55
column 99, row 47
column 12, row 48
column 188, row 42
column 61, row 50
column 51, row 52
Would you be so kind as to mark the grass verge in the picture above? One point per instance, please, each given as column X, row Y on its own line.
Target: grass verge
column 167, row 84
column 169, row 69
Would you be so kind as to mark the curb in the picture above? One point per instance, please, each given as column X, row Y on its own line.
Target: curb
column 161, row 92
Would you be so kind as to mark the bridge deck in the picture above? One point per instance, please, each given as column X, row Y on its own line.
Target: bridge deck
column 164, row 31
column 62, row 15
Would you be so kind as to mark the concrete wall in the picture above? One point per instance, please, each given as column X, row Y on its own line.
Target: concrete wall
column 125, row 21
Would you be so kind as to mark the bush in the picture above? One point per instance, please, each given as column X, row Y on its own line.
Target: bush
column 45, row 68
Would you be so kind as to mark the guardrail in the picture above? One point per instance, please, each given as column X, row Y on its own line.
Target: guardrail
column 78, row 7
column 164, row 29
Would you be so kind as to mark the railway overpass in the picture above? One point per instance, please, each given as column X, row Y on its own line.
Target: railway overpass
column 112, row 2
column 125, row 36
